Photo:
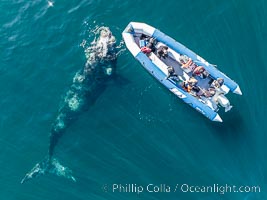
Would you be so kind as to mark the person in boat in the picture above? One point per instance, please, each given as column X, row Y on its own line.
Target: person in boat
column 210, row 92
column 200, row 71
column 146, row 50
column 218, row 82
column 151, row 44
column 143, row 37
column 185, row 61
column 162, row 52
column 205, row 74
column 171, row 72
column 191, row 85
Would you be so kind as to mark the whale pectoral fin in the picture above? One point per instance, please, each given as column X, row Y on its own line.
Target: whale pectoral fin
column 51, row 166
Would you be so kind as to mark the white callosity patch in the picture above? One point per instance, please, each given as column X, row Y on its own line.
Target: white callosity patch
column 78, row 78
column 72, row 100
column 109, row 71
column 74, row 103
column 60, row 124
column 102, row 50
column 106, row 41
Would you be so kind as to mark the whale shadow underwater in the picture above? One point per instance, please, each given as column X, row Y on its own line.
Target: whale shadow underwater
column 88, row 84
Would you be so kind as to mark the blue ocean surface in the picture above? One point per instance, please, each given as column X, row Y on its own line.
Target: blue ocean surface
column 136, row 133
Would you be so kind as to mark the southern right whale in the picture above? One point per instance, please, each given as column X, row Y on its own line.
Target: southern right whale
column 88, row 84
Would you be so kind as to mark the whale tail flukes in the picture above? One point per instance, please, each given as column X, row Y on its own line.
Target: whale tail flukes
column 48, row 165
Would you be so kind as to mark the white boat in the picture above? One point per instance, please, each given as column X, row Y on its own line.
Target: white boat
column 183, row 72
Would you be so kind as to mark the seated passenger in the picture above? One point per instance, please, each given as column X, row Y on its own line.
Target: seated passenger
column 206, row 93
column 162, row 52
column 146, row 50
column 183, row 59
column 187, row 63
column 205, row 74
column 151, row 44
column 192, row 81
column 171, row 72
column 142, row 43
column 210, row 92
column 218, row 82
column 198, row 71
column 143, row 37
column 190, row 85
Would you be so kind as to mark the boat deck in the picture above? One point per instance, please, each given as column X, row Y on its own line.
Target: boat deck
column 171, row 60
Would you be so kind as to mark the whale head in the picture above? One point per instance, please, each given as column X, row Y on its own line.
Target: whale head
column 106, row 43
column 103, row 52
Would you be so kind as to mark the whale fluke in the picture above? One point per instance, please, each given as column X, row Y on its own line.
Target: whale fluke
column 48, row 166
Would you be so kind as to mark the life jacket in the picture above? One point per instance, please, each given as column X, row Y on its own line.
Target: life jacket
column 198, row 70
column 189, row 62
column 146, row 50
column 187, row 87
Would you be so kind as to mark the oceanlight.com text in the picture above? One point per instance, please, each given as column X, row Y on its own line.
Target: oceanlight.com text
column 180, row 188
column 216, row 188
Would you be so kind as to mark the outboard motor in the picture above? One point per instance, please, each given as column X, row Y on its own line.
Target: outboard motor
column 224, row 102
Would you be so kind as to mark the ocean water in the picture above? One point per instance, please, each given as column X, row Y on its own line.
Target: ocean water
column 136, row 132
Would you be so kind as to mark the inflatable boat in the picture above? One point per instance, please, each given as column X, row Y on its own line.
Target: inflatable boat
column 183, row 72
